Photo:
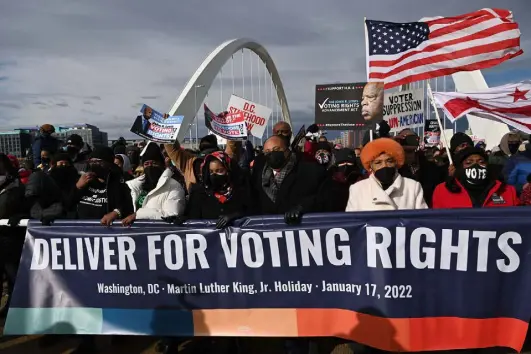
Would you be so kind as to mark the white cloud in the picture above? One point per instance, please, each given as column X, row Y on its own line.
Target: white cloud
column 97, row 61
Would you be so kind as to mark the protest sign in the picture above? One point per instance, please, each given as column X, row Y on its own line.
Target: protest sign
column 152, row 125
column 256, row 116
column 338, row 106
column 440, row 279
column 219, row 139
column 404, row 109
column 432, row 133
column 230, row 126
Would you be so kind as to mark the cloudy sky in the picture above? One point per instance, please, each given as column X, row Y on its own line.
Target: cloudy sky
column 73, row 61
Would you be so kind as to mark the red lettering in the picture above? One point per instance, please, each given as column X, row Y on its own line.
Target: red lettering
column 249, row 126
column 248, row 107
column 393, row 122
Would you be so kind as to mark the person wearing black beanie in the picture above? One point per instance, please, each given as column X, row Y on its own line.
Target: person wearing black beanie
column 473, row 185
column 101, row 192
column 155, row 194
column 460, row 141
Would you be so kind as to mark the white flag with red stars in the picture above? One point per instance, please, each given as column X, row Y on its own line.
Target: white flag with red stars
column 510, row 104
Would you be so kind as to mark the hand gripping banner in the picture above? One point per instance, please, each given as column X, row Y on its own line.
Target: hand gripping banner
column 401, row 281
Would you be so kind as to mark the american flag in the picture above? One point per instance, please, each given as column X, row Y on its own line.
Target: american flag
column 510, row 104
column 401, row 53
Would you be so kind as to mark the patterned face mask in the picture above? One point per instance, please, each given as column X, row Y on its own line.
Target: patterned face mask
column 323, row 158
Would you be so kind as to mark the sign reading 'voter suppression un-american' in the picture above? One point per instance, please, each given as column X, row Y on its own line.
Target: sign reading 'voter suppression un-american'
column 334, row 275
column 404, row 109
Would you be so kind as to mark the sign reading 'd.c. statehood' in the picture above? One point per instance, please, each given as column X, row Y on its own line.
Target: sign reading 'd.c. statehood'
column 404, row 109
column 334, row 275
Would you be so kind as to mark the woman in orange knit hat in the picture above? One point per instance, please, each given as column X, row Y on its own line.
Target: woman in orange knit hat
column 385, row 189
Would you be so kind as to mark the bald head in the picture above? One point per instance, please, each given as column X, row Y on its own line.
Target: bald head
column 275, row 142
column 282, row 128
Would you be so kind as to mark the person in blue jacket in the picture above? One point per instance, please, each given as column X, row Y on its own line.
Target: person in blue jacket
column 44, row 140
column 518, row 167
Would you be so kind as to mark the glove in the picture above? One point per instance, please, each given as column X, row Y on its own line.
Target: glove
column 226, row 220
column 14, row 220
column 174, row 219
column 294, row 215
column 47, row 221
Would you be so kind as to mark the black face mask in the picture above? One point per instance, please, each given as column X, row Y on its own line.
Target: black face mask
column 217, row 182
column 475, row 175
column 276, row 159
column 72, row 151
column 513, row 148
column 45, row 160
column 386, row 176
column 153, row 174
column 323, row 158
column 63, row 174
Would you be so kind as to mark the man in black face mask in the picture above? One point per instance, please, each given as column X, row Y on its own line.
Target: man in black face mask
column 65, row 175
column 508, row 146
column 155, row 194
column 283, row 184
column 74, row 148
column 101, row 193
column 473, row 185
column 333, row 195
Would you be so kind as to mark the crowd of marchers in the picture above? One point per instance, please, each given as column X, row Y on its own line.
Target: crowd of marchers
column 121, row 184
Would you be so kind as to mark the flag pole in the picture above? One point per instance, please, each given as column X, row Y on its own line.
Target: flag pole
column 371, row 134
column 443, row 133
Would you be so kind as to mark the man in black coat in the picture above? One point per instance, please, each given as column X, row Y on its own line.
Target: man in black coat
column 283, row 184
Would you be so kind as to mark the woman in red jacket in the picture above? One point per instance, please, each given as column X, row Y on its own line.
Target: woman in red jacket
column 473, row 185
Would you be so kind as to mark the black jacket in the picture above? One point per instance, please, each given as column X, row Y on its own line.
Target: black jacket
column 45, row 197
column 429, row 175
column 333, row 196
column 206, row 206
column 118, row 195
column 299, row 187
column 12, row 204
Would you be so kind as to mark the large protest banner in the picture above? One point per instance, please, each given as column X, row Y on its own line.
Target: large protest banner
column 256, row 116
column 338, row 106
column 404, row 109
column 152, row 125
column 401, row 281
column 230, row 126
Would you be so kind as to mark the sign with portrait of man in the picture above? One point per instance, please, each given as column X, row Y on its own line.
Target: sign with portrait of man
column 347, row 106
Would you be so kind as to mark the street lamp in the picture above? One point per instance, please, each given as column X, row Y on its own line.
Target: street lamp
column 196, row 119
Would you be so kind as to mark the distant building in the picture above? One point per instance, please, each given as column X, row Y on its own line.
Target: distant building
column 18, row 141
column 129, row 142
column 90, row 134
column 15, row 142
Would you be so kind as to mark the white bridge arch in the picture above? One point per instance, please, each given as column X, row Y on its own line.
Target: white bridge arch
column 190, row 99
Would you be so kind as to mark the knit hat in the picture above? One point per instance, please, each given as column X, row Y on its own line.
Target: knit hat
column 345, row 155
column 152, row 153
column 463, row 154
column 382, row 146
column 75, row 140
column 323, row 145
column 47, row 128
column 208, row 142
column 458, row 139
column 61, row 157
column 103, row 153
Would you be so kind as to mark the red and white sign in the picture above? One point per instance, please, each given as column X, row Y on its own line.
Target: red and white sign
column 256, row 116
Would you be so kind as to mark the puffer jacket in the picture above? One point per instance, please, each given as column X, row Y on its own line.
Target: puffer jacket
column 166, row 199
column 44, row 196
column 516, row 170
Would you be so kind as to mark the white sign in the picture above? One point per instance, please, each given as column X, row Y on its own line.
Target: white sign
column 256, row 116
column 404, row 110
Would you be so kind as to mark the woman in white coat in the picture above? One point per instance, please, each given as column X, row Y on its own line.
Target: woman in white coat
column 385, row 188
column 155, row 194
